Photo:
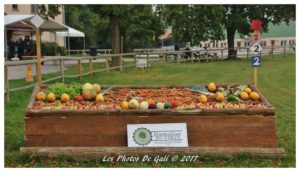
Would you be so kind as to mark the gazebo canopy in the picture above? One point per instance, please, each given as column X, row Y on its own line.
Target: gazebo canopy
column 48, row 25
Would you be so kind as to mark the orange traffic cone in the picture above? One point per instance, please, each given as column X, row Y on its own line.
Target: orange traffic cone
column 29, row 77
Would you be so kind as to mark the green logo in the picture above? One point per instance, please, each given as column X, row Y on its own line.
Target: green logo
column 142, row 136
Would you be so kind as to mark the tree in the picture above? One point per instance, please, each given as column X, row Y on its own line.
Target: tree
column 114, row 13
column 95, row 28
column 197, row 23
column 132, row 21
column 193, row 23
column 237, row 18
column 51, row 10
column 142, row 28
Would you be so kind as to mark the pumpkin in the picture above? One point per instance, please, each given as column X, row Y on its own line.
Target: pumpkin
column 88, row 92
column 41, row 96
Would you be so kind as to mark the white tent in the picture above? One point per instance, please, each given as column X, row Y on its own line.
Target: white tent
column 72, row 33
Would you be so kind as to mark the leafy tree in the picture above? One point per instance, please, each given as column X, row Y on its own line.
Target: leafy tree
column 114, row 13
column 237, row 18
column 142, row 28
column 82, row 18
column 197, row 23
column 50, row 10
column 193, row 23
column 132, row 21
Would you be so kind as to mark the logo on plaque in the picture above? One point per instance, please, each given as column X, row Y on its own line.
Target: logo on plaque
column 142, row 136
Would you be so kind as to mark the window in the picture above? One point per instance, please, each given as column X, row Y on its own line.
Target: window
column 291, row 42
column 283, row 43
column 272, row 42
column 247, row 44
column 217, row 44
column 238, row 44
column 208, row 45
column 15, row 7
column 34, row 9
column 263, row 43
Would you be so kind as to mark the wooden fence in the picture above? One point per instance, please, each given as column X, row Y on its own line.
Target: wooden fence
column 148, row 56
column 83, row 52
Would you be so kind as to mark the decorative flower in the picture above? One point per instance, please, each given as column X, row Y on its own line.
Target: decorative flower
column 256, row 25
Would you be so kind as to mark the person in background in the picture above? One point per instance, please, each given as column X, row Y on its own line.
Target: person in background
column 20, row 46
column 176, row 47
column 27, row 45
column 11, row 49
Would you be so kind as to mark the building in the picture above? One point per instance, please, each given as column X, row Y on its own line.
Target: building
column 33, row 9
column 277, row 35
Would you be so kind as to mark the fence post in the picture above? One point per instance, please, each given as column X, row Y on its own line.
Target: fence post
column 247, row 53
column 38, row 57
column 177, row 58
column 272, row 51
column 284, row 51
column 6, row 83
column 222, row 54
column 206, row 55
column 135, row 59
column 107, row 64
column 147, row 58
column 121, row 63
column 61, row 61
column 164, row 57
column 79, row 70
column 91, row 66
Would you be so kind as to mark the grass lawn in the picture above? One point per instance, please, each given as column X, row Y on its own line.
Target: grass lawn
column 276, row 81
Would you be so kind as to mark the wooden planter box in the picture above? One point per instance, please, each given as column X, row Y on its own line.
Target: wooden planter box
column 94, row 133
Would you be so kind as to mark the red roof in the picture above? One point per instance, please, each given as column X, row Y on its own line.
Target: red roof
column 19, row 25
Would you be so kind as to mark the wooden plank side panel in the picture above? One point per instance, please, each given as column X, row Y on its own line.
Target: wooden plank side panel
column 96, row 152
column 116, row 125
column 230, row 131
column 121, row 140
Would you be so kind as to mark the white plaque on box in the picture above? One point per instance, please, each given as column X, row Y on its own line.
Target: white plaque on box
column 157, row 135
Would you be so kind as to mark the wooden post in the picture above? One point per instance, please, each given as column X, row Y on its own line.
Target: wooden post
column 147, row 58
column 192, row 57
column 62, row 70
column 79, row 70
column 206, row 55
column 38, row 57
column 121, row 58
column 222, row 55
column 91, row 66
column 107, row 64
column 121, row 63
column 284, row 51
column 164, row 57
column 247, row 53
column 177, row 58
column 272, row 51
column 135, row 60
column 255, row 76
column 6, row 83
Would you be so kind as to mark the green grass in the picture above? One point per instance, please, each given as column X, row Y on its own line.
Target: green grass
column 276, row 80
